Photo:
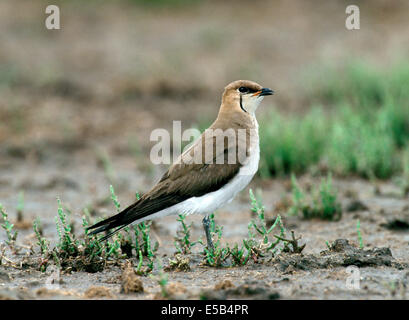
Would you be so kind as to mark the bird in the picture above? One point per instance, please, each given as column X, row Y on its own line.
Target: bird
column 220, row 163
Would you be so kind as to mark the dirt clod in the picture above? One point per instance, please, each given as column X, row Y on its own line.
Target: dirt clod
column 224, row 284
column 98, row 292
column 176, row 289
column 248, row 290
column 340, row 254
column 130, row 281
column 355, row 205
column 397, row 223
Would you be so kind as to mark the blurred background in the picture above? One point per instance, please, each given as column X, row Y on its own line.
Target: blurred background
column 77, row 105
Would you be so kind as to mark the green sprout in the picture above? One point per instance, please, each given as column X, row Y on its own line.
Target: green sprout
column 8, row 227
column 20, row 206
column 41, row 241
column 360, row 240
column 67, row 244
column 322, row 203
column 115, row 198
column 143, row 242
column 162, row 280
column 182, row 242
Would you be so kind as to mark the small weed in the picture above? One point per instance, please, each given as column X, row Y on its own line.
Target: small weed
column 106, row 163
column 218, row 256
column 88, row 253
column 258, row 208
column 114, row 198
column 71, row 254
column 67, row 244
column 8, row 227
column 358, row 230
column 162, row 280
column 293, row 242
column 260, row 248
column 2, row 253
column 143, row 243
column 42, row 243
column 123, row 238
column 179, row 263
column 261, row 242
column 182, row 241
column 20, row 206
column 322, row 204
column 240, row 255
column 403, row 180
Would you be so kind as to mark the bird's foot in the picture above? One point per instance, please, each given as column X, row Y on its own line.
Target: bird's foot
column 206, row 226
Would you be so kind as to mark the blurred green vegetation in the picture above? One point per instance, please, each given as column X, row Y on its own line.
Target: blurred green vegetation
column 361, row 125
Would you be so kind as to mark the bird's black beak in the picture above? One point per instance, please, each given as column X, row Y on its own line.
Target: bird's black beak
column 266, row 92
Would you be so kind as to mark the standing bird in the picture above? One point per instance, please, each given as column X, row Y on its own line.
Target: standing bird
column 209, row 174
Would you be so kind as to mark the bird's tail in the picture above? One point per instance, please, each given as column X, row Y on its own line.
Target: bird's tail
column 117, row 222
column 141, row 209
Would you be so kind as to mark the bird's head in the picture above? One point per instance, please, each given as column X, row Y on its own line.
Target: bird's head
column 244, row 95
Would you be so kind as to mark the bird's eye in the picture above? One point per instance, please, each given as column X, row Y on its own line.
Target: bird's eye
column 244, row 89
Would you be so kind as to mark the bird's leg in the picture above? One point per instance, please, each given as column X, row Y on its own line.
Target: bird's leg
column 206, row 226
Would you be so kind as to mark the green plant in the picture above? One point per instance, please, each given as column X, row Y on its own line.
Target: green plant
column 362, row 131
column 123, row 239
column 261, row 227
column 106, row 163
column 20, row 206
column 67, row 244
column 293, row 242
column 41, row 241
column 270, row 243
column 162, row 280
column 291, row 144
column 8, row 227
column 261, row 248
column 322, row 203
column 217, row 256
column 93, row 248
column 358, row 230
column 115, row 198
column 403, row 180
column 240, row 255
column 143, row 243
column 140, row 263
column 43, row 244
column 361, row 145
column 182, row 241
column 330, row 207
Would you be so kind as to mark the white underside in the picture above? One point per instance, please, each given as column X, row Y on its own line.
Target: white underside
column 210, row 202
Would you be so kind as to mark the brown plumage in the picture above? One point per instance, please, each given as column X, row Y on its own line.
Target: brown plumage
column 188, row 177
